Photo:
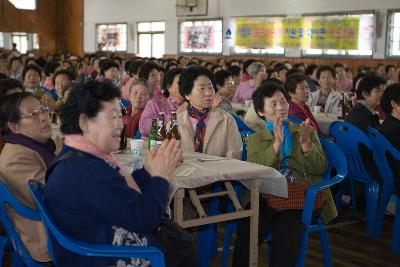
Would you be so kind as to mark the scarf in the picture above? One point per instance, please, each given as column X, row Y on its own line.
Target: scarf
column 82, row 143
column 200, row 127
column 286, row 147
column 45, row 150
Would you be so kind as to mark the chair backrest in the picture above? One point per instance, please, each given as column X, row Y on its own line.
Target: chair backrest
column 7, row 199
column 382, row 147
column 153, row 254
column 243, row 128
column 336, row 159
column 348, row 138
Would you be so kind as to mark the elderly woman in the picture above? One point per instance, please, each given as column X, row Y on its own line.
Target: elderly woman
column 297, row 90
column 173, row 102
column 203, row 128
column 390, row 103
column 32, row 75
column 109, row 70
column 7, row 87
column 27, row 155
column 326, row 97
column 279, row 140
column 257, row 72
column 90, row 196
column 369, row 93
column 226, row 88
column 139, row 94
column 151, row 72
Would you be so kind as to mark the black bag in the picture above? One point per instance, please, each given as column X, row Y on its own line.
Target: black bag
column 178, row 245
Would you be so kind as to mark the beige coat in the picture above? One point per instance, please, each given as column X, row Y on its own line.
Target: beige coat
column 253, row 120
column 222, row 135
column 18, row 165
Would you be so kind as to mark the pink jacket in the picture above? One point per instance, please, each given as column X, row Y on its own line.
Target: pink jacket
column 151, row 110
column 244, row 92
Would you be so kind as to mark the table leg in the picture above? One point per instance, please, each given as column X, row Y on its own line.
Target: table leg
column 178, row 205
column 254, row 206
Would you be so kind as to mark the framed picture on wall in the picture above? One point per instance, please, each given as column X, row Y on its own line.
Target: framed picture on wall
column 113, row 37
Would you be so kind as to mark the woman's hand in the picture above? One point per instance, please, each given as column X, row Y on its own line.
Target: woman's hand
column 305, row 136
column 162, row 162
column 216, row 101
column 278, row 134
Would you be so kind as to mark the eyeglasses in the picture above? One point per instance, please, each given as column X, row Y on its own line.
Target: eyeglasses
column 36, row 112
column 229, row 82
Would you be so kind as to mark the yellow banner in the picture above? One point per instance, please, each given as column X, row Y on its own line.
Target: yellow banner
column 333, row 32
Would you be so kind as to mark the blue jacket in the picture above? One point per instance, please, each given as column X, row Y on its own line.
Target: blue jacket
column 90, row 201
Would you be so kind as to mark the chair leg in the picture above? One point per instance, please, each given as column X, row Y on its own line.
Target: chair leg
column 372, row 204
column 385, row 197
column 339, row 195
column 230, row 228
column 353, row 195
column 4, row 241
column 396, row 228
column 323, row 235
column 301, row 258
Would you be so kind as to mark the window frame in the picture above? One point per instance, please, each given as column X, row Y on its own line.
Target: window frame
column 201, row 53
column 112, row 23
column 252, row 54
column 26, row 9
column 148, row 32
column 346, row 55
column 389, row 14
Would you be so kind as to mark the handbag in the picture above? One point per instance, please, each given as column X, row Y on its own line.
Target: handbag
column 297, row 191
column 176, row 243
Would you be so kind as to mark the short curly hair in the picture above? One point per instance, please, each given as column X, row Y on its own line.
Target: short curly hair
column 221, row 76
column 85, row 99
column 323, row 68
column 8, row 84
column 368, row 83
column 9, row 110
column 293, row 80
column 67, row 72
column 107, row 64
column 188, row 77
column 31, row 67
column 146, row 68
column 169, row 79
column 267, row 89
column 392, row 93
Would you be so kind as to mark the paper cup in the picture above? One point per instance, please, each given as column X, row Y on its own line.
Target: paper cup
column 317, row 109
column 137, row 147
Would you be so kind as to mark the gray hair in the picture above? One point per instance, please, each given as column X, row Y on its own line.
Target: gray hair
column 255, row 68
column 143, row 82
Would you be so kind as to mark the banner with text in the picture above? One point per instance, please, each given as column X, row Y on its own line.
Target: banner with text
column 328, row 32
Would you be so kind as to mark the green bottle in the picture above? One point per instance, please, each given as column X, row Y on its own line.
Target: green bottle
column 151, row 141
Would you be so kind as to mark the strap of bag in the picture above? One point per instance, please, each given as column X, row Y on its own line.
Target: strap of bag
column 67, row 155
column 300, row 168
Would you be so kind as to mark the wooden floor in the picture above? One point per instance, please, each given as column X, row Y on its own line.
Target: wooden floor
column 350, row 246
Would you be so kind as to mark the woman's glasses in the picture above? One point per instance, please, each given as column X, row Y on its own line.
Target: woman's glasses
column 36, row 112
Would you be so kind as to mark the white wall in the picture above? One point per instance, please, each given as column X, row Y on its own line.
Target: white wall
column 133, row 11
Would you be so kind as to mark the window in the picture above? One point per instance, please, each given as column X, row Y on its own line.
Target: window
column 364, row 36
column 1, row 40
column 393, row 37
column 21, row 40
column 112, row 36
column 151, row 39
column 200, row 36
column 254, row 36
column 24, row 4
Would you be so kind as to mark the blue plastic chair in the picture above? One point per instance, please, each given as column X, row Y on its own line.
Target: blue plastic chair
column 337, row 161
column 155, row 256
column 20, row 256
column 312, row 224
column 245, row 131
column 382, row 147
column 348, row 137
